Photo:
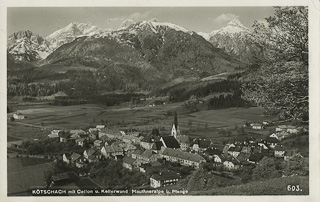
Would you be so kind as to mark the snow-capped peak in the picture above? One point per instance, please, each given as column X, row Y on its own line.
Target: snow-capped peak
column 233, row 27
column 126, row 23
column 72, row 31
column 154, row 25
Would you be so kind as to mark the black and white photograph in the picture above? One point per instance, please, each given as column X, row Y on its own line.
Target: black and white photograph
column 158, row 99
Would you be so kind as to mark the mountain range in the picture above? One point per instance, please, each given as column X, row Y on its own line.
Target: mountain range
column 138, row 53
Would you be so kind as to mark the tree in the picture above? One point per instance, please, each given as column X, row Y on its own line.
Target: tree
column 266, row 169
column 280, row 84
column 296, row 165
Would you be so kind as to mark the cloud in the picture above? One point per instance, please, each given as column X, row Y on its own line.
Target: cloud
column 139, row 16
column 225, row 17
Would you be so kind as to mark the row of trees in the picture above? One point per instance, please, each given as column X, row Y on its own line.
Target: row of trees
column 183, row 93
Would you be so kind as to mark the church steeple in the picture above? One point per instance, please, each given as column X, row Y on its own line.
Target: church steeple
column 175, row 127
column 175, row 122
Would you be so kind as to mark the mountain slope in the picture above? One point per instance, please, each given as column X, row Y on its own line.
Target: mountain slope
column 27, row 46
column 158, row 50
column 236, row 40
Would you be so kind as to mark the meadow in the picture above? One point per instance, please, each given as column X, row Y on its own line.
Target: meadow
column 41, row 119
column 25, row 174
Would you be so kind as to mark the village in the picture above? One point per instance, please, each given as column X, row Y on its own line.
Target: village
column 150, row 154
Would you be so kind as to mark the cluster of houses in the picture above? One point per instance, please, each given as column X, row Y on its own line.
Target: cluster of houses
column 141, row 153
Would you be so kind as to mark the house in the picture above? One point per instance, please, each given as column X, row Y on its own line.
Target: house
column 147, row 156
column 272, row 142
column 111, row 151
column 243, row 158
column 75, row 157
column 212, row 151
column 92, row 155
column 99, row 127
column 80, row 141
column 107, row 151
column 257, row 126
column 184, row 158
column 81, row 162
column 131, row 139
column 53, row 136
column 266, row 123
column 279, row 151
column 164, row 179
column 55, row 131
column 136, row 153
column 218, row 159
column 134, row 134
column 232, row 164
column 93, row 130
column 246, row 149
column 66, row 157
column 128, row 162
column 18, row 116
column 241, row 140
column 147, row 142
column 184, row 142
column 281, row 135
column 118, row 151
column 292, row 129
column 74, row 136
column 170, row 142
column 128, row 148
column 234, row 151
column 97, row 143
column 78, row 132
column 200, row 145
column 64, row 136
column 273, row 135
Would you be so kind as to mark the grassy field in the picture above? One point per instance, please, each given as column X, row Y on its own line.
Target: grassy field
column 276, row 186
column 43, row 118
column 24, row 176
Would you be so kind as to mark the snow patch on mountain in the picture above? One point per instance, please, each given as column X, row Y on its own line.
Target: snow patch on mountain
column 206, row 36
column 25, row 45
column 71, row 32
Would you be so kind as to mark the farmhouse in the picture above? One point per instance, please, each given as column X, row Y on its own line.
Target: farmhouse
column 99, row 127
column 257, row 126
column 53, row 136
column 18, row 116
column 184, row 158
column 164, row 179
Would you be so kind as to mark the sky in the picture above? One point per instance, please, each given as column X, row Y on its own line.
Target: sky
column 46, row 20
